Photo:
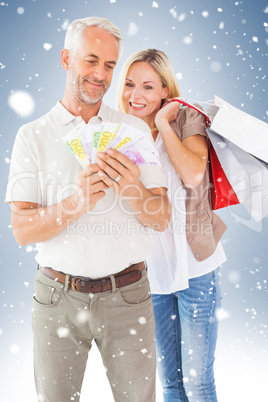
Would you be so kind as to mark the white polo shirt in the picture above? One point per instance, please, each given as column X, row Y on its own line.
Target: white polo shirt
column 43, row 170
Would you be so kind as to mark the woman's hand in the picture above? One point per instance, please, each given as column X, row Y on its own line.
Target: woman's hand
column 188, row 157
column 167, row 113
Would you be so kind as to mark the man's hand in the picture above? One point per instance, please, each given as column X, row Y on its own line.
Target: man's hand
column 32, row 223
column 119, row 172
column 92, row 186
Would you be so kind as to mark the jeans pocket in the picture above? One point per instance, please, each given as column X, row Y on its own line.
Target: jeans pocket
column 137, row 293
column 46, row 295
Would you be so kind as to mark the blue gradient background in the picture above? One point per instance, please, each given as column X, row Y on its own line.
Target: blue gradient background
column 242, row 355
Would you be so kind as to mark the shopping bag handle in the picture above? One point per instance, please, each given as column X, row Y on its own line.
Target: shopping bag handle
column 186, row 103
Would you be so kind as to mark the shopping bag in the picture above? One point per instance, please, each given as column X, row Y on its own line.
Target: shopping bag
column 244, row 130
column 247, row 175
column 221, row 192
column 185, row 102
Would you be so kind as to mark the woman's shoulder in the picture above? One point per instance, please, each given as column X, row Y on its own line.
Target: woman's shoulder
column 187, row 115
column 189, row 122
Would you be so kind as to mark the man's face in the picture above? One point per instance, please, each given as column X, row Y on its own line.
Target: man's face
column 91, row 67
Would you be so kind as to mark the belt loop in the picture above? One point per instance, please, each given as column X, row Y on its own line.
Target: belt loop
column 113, row 283
column 67, row 279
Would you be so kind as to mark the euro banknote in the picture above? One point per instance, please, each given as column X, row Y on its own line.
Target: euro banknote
column 74, row 141
column 87, row 140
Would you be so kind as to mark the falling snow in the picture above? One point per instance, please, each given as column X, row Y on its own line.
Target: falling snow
column 14, row 349
column 187, row 40
column 173, row 12
column 47, row 46
column 181, row 17
column 63, row 332
column 64, row 26
column 20, row 10
column 222, row 314
column 218, row 50
column 22, row 103
column 215, row 66
column 205, row 14
column 179, row 76
column 82, row 316
column 133, row 29
column 142, row 320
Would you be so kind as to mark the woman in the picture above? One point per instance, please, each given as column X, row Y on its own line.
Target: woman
column 183, row 265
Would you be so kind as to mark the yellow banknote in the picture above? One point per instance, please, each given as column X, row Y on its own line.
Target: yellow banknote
column 74, row 141
column 108, row 133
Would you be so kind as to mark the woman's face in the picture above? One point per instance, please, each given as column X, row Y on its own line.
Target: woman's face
column 143, row 92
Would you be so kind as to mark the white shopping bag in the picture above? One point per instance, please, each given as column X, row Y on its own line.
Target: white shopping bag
column 247, row 175
column 243, row 130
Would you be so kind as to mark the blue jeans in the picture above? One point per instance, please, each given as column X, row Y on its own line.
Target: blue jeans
column 186, row 335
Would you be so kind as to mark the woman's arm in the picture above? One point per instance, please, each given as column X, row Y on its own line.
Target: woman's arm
column 189, row 157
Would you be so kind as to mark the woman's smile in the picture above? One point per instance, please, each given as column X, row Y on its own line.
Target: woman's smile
column 143, row 92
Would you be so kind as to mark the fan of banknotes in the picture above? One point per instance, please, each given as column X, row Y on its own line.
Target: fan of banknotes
column 86, row 140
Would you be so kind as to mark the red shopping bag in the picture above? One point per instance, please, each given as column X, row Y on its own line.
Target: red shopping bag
column 222, row 193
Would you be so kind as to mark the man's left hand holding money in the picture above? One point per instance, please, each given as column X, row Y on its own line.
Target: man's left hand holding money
column 123, row 176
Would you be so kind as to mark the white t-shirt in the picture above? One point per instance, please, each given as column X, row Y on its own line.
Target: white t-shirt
column 43, row 170
column 171, row 262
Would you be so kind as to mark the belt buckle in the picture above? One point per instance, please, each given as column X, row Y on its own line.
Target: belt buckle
column 74, row 283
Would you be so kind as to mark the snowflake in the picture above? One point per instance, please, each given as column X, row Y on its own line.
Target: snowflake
column 133, row 29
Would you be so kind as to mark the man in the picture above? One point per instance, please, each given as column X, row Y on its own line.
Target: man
column 89, row 226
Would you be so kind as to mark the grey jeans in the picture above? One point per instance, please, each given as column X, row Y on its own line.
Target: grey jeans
column 121, row 322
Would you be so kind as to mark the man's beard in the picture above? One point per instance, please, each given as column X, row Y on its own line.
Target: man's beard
column 83, row 96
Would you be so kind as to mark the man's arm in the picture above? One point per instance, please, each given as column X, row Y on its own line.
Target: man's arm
column 151, row 206
column 32, row 223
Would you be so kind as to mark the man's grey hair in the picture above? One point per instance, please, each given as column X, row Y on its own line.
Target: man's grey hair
column 76, row 28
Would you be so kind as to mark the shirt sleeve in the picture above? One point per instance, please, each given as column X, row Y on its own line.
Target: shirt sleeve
column 190, row 122
column 152, row 176
column 23, row 176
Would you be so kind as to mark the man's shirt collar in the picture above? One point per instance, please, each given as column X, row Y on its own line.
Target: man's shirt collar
column 64, row 117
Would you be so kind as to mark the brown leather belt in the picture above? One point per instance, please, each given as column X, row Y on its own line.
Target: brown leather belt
column 129, row 275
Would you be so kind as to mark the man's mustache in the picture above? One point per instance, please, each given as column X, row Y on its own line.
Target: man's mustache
column 95, row 81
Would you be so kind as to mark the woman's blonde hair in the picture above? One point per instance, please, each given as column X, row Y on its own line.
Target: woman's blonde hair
column 159, row 61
